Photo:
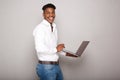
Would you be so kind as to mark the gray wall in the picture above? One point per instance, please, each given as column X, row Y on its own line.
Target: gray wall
column 77, row 20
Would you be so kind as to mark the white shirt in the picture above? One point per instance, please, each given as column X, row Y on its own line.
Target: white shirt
column 46, row 41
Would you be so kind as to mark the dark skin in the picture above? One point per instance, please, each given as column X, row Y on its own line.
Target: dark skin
column 49, row 15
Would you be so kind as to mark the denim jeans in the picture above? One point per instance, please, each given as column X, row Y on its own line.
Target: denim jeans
column 49, row 72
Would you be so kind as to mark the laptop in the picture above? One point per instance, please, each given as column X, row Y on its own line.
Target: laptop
column 80, row 50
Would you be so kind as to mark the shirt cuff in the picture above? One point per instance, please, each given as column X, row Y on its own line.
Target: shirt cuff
column 62, row 53
column 55, row 50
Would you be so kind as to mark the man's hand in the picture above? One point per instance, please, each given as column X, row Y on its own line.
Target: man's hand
column 60, row 47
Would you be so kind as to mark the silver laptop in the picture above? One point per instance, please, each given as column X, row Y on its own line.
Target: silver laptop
column 80, row 50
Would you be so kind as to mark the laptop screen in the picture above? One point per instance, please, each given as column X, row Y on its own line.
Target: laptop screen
column 82, row 48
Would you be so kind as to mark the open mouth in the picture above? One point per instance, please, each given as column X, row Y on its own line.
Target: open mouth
column 51, row 18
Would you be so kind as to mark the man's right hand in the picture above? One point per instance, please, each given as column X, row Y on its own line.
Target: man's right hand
column 60, row 47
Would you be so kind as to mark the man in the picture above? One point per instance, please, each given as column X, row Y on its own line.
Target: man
column 45, row 36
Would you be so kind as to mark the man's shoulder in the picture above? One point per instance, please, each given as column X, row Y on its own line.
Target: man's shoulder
column 41, row 25
column 39, row 28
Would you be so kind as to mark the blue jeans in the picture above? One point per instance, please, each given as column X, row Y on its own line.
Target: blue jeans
column 49, row 72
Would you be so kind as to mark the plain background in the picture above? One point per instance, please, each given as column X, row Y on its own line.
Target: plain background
column 95, row 20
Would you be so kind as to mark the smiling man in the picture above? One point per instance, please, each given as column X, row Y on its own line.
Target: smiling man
column 45, row 36
column 49, row 13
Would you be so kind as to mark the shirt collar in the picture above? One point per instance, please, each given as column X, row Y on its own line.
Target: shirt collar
column 47, row 23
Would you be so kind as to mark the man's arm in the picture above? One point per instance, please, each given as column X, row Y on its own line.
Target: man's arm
column 39, row 36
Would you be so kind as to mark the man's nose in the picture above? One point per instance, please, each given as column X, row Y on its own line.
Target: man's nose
column 51, row 15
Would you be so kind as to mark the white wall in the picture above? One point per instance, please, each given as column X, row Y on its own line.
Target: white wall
column 77, row 20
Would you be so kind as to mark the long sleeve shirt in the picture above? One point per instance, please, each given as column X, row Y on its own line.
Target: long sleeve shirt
column 46, row 41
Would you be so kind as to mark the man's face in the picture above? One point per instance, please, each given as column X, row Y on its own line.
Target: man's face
column 49, row 14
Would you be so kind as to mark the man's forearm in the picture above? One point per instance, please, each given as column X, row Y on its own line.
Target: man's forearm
column 71, row 55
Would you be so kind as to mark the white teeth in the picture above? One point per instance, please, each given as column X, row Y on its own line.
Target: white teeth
column 51, row 18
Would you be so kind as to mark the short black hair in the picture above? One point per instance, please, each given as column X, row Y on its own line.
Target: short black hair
column 49, row 5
